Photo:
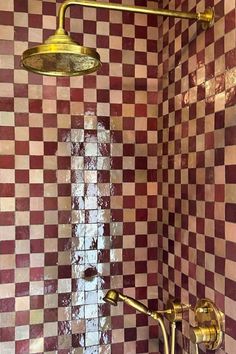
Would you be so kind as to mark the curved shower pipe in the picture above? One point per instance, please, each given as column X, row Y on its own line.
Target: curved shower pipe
column 206, row 17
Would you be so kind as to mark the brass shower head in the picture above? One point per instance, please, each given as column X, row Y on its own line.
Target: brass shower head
column 61, row 56
column 112, row 297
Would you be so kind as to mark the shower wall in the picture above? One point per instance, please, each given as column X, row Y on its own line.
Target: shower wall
column 196, row 152
column 78, row 185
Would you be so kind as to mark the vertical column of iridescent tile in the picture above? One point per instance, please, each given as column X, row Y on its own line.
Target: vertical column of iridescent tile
column 78, row 228
column 91, row 214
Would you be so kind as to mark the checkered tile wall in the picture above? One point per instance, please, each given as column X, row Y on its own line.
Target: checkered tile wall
column 123, row 179
column 196, row 164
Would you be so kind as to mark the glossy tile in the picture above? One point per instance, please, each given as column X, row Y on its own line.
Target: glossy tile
column 121, row 179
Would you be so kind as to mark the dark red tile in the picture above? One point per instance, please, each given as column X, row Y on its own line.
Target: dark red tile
column 22, row 346
column 63, row 107
column 22, row 147
column 35, row 106
column 36, row 274
column 22, row 318
column 7, row 218
column 50, row 343
column 37, row 246
column 7, row 305
column 7, row 104
column 64, row 271
column 22, row 260
column 230, row 212
column 7, row 334
column 36, row 331
column 7, row 276
column 22, row 289
column 50, row 148
column 36, row 217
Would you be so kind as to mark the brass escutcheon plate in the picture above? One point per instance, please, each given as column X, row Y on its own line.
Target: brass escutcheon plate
column 208, row 315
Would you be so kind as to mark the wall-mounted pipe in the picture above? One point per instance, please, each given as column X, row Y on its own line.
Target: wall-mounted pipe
column 207, row 17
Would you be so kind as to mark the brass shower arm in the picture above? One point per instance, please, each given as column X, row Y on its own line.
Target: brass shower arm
column 206, row 17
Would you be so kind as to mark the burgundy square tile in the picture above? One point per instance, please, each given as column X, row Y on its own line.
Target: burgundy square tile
column 130, row 334
column 63, row 162
column 36, row 331
column 77, row 122
column 36, row 134
column 49, row 120
column 20, row 7
column 51, row 258
column 22, row 346
column 36, row 190
column 7, row 334
column 22, row 147
column 36, row 302
column 7, row 104
column 64, row 135
column 36, row 218
column 22, row 318
column 20, row 90
column 50, row 343
column 22, row 232
column 22, row 176
column 49, row 176
column 64, row 300
column 219, row 47
column 36, row 274
column 129, row 202
column 7, row 133
column 230, row 58
column 50, row 148
column 220, row 229
column 35, row 106
column 230, row 22
column 22, row 204
column 51, row 231
column 22, row 289
column 7, row 247
column 6, row 75
column 219, row 156
column 7, row 276
column 63, row 107
column 50, row 203
column 7, row 305
column 50, row 315
column 37, row 246
column 50, row 286
column 36, row 162
column 22, row 260
column 116, row 136
column 7, row 218
column 230, row 212
column 64, row 271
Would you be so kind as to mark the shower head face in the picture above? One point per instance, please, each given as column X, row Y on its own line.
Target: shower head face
column 60, row 56
column 112, row 297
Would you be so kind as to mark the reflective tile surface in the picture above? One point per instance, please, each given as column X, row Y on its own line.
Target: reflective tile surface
column 124, row 179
